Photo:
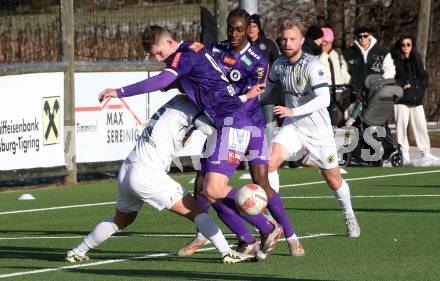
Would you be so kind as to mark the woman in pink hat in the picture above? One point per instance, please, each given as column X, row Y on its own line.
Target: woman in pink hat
column 336, row 68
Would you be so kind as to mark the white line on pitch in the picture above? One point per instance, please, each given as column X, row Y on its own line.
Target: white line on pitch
column 57, row 208
column 287, row 185
column 149, row 256
column 365, row 178
column 116, row 236
column 364, row 196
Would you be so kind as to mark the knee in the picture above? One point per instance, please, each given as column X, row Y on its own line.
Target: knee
column 272, row 166
column 260, row 180
column 124, row 220
column 211, row 191
column 334, row 182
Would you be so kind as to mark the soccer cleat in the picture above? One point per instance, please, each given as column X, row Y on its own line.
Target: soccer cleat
column 269, row 242
column 235, row 257
column 193, row 246
column 74, row 257
column 295, row 247
column 248, row 249
column 353, row 228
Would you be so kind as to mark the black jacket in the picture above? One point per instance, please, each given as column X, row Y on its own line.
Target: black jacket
column 358, row 69
column 309, row 46
column 272, row 52
column 411, row 72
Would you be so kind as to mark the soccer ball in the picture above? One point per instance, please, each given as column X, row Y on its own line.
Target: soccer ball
column 251, row 199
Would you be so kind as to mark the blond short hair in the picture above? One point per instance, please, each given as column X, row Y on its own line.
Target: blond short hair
column 291, row 24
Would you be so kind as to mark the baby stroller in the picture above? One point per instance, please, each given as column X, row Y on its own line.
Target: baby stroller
column 369, row 141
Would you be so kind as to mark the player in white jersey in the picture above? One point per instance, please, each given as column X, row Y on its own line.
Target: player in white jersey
column 142, row 178
column 307, row 126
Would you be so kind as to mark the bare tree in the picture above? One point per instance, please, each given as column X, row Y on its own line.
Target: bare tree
column 335, row 11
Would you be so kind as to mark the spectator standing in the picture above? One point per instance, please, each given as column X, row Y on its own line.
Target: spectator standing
column 313, row 40
column 411, row 74
column 367, row 57
column 336, row 70
column 257, row 38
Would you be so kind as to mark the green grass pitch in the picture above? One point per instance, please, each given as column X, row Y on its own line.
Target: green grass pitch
column 398, row 210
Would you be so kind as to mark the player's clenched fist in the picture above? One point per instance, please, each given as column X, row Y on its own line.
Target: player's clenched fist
column 255, row 91
column 107, row 93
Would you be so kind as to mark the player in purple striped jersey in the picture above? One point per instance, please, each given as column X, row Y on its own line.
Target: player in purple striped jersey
column 193, row 67
column 246, row 66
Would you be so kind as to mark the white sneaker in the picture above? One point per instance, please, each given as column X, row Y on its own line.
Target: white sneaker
column 193, row 246
column 405, row 159
column 295, row 247
column 429, row 157
column 353, row 228
column 235, row 257
column 74, row 257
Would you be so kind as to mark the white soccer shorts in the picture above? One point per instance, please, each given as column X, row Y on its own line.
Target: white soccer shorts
column 140, row 183
column 322, row 150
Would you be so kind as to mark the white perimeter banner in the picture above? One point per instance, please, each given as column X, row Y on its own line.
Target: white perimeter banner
column 32, row 121
column 107, row 131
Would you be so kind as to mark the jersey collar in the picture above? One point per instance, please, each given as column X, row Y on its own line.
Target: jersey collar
column 245, row 48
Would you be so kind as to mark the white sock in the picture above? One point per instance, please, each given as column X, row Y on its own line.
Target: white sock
column 102, row 232
column 207, row 226
column 292, row 237
column 342, row 194
column 274, row 180
column 200, row 236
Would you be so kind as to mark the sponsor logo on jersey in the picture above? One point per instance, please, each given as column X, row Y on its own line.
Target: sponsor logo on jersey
column 234, row 157
column 260, row 72
column 253, row 54
column 321, row 73
column 246, row 60
column 331, row 159
column 196, row 46
column 235, row 75
column 230, row 61
column 176, row 60
column 297, row 72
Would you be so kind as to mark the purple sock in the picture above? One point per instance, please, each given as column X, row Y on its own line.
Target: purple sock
column 276, row 208
column 234, row 222
column 203, row 202
column 259, row 221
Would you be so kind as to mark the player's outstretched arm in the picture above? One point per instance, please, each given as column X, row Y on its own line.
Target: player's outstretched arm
column 158, row 82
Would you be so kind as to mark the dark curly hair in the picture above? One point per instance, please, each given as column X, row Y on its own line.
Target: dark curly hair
column 239, row 13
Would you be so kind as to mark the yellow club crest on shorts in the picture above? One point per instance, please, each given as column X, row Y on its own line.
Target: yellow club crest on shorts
column 330, row 159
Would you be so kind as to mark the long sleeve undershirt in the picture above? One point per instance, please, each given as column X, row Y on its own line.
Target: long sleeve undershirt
column 322, row 100
column 158, row 82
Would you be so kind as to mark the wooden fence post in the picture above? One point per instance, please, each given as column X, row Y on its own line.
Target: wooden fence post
column 68, row 56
